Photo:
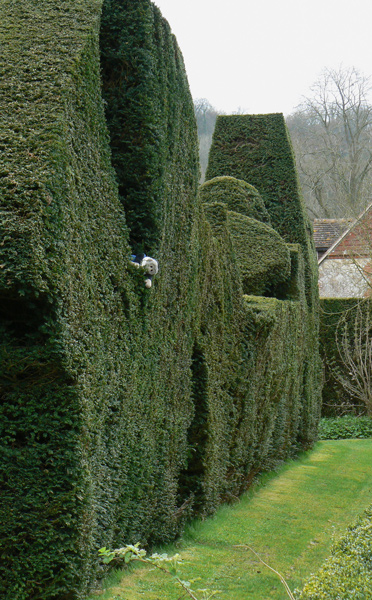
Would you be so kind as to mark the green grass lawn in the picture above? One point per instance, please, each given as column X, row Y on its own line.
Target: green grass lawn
column 290, row 519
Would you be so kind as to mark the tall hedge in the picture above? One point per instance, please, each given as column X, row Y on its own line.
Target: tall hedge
column 153, row 139
column 257, row 150
column 123, row 410
column 250, row 355
column 95, row 373
column 149, row 115
column 63, row 254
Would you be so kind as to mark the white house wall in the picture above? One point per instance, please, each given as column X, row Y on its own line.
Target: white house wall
column 343, row 278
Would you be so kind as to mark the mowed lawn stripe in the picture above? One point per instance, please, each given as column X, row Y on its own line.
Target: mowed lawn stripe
column 290, row 520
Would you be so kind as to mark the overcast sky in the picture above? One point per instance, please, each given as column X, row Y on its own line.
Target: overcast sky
column 262, row 56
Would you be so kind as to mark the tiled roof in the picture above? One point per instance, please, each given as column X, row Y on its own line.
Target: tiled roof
column 355, row 240
column 327, row 231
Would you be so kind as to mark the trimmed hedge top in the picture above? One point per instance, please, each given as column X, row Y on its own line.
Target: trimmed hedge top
column 257, row 149
column 238, row 196
column 41, row 45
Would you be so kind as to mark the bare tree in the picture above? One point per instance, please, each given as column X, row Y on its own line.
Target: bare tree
column 332, row 138
column 206, row 119
column 354, row 345
column 205, row 115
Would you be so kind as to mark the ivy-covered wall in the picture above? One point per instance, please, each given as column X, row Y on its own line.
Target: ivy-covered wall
column 123, row 410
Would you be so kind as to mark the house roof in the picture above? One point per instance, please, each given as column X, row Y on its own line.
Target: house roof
column 327, row 231
column 349, row 230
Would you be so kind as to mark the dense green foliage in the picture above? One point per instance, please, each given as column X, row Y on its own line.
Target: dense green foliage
column 342, row 428
column 262, row 255
column 256, row 149
column 125, row 410
column 347, row 573
column 62, row 250
column 150, row 119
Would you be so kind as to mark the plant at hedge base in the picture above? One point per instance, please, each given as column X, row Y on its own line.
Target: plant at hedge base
column 354, row 344
column 169, row 565
column 163, row 562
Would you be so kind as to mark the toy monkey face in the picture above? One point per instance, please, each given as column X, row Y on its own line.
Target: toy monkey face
column 151, row 265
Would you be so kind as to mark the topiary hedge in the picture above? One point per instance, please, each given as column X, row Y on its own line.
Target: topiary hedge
column 249, row 373
column 276, row 334
column 123, row 410
column 154, row 147
column 149, row 117
column 95, row 382
column 257, row 149
column 63, row 248
column 262, row 256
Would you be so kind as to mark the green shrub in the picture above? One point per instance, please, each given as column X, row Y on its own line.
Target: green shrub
column 93, row 439
column 275, row 337
column 64, row 244
column 150, row 118
column 347, row 573
column 342, row 428
column 257, row 149
column 261, row 256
